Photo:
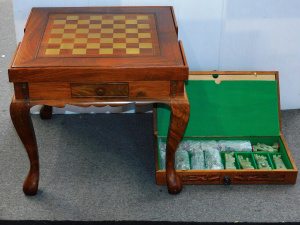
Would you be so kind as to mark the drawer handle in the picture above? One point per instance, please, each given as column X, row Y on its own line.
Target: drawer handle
column 100, row 92
column 226, row 180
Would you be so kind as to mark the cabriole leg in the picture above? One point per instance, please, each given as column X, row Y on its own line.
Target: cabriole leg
column 46, row 112
column 178, row 122
column 20, row 115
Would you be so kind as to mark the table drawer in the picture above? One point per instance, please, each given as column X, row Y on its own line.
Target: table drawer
column 100, row 90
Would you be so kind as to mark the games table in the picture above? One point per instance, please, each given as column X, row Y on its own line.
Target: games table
column 99, row 56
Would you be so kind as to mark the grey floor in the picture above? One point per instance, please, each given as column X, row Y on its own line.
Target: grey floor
column 101, row 167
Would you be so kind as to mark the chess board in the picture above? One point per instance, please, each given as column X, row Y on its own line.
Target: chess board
column 96, row 35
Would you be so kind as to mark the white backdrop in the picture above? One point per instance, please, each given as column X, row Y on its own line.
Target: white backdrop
column 219, row 35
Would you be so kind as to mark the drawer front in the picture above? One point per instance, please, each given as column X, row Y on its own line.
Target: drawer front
column 99, row 90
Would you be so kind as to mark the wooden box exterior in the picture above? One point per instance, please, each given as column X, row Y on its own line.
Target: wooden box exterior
column 197, row 177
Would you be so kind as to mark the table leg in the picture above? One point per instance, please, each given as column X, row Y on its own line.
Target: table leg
column 46, row 112
column 20, row 115
column 180, row 112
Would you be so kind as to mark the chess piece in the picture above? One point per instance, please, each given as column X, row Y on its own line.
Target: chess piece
column 182, row 161
column 230, row 161
column 197, row 160
column 245, row 163
column 207, row 144
column 213, row 159
column 279, row 164
column 266, row 148
column 162, row 154
column 234, row 146
column 261, row 162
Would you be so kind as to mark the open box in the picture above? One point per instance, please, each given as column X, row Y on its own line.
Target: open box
column 242, row 105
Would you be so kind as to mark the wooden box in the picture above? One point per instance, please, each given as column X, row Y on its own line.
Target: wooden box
column 231, row 106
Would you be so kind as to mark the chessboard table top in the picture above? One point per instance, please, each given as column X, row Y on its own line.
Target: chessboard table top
column 102, row 37
column 94, row 35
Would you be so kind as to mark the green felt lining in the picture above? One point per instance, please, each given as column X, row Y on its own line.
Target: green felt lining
column 231, row 108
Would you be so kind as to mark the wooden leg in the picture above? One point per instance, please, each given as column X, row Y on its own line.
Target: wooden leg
column 20, row 115
column 46, row 112
column 178, row 122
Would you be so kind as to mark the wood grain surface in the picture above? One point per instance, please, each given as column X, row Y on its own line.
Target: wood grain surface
column 149, row 88
column 165, row 59
column 100, row 90
column 46, row 90
column 20, row 115
column 98, row 56
column 180, row 111
column 143, row 89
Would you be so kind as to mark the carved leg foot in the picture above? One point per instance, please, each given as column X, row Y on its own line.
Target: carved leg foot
column 20, row 115
column 178, row 122
column 46, row 112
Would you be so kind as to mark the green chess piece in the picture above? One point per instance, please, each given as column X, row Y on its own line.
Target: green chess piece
column 182, row 161
column 265, row 148
column 245, row 163
column 275, row 146
column 230, row 161
column 197, row 160
column 261, row 162
column 279, row 164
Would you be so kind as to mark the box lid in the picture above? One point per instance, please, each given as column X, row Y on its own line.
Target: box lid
column 234, row 107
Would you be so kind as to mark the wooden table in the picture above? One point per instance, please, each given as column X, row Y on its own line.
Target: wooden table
column 99, row 56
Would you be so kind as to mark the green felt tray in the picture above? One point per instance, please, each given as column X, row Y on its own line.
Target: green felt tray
column 254, row 141
column 231, row 108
